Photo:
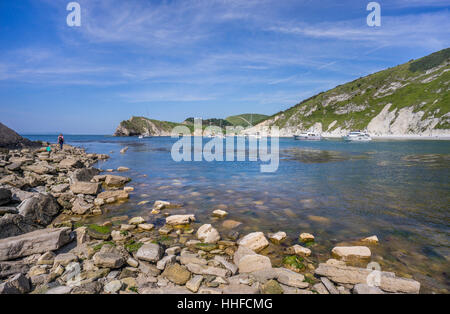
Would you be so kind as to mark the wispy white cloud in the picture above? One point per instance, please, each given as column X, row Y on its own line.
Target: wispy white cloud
column 430, row 29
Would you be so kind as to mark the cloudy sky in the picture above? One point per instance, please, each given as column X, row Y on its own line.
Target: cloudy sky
column 205, row 58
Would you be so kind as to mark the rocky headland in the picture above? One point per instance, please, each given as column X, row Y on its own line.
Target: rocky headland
column 10, row 139
column 46, row 248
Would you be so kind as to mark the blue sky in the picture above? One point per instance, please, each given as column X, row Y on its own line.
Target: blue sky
column 205, row 58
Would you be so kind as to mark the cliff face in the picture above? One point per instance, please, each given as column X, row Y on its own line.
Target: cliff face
column 410, row 99
column 144, row 126
column 10, row 139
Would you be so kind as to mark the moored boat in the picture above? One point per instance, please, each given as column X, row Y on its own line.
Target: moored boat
column 357, row 136
column 308, row 136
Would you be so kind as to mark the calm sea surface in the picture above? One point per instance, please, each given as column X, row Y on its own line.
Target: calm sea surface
column 340, row 192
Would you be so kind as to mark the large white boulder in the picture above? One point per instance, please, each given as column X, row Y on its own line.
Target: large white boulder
column 208, row 234
column 255, row 241
column 180, row 219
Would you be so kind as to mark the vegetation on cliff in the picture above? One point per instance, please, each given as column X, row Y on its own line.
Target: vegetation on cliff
column 420, row 87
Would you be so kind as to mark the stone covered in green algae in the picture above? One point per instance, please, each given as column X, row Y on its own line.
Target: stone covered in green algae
column 99, row 232
column 294, row 262
column 133, row 246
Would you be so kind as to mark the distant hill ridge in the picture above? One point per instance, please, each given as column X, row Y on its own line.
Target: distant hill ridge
column 409, row 99
column 10, row 139
column 149, row 127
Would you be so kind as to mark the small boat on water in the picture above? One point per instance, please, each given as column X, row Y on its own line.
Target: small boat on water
column 357, row 136
column 141, row 136
column 308, row 136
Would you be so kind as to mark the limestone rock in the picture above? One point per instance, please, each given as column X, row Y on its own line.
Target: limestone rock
column 255, row 262
column 60, row 188
column 39, row 241
column 87, row 188
column 372, row 240
column 108, row 260
column 298, row 250
column 271, row 287
column 65, row 259
column 180, row 219
column 146, row 227
column 320, row 288
column 208, row 234
column 228, row 265
column 306, row 237
column 219, row 213
column 19, row 284
column 278, row 237
column 255, row 241
column 59, row 290
column 113, row 286
column 362, row 288
column 291, row 278
column 81, row 207
column 116, row 181
column 160, row 205
column 84, row 175
column 39, row 209
column 113, row 195
column 352, row 252
column 162, row 263
column 194, row 284
column 136, row 221
column 329, row 285
column 69, row 163
column 241, row 252
column 150, row 252
column 177, row 274
column 207, row 270
column 353, row 275
column 47, row 258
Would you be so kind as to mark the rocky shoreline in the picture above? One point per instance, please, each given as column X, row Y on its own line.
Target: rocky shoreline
column 45, row 248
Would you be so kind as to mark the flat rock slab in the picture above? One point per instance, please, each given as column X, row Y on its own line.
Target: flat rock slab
column 86, row 188
column 255, row 241
column 352, row 252
column 39, row 241
column 353, row 275
column 150, row 252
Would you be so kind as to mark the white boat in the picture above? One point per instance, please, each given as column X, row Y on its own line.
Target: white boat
column 357, row 136
column 308, row 136
column 141, row 136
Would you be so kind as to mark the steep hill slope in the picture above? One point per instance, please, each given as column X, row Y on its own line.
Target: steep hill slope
column 409, row 99
column 10, row 139
column 144, row 126
column 150, row 127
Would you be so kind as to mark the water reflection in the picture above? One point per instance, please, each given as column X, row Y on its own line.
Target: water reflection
column 318, row 156
column 340, row 192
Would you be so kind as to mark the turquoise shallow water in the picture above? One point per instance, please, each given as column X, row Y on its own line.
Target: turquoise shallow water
column 340, row 192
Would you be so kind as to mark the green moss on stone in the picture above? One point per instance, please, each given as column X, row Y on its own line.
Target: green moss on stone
column 100, row 229
column 133, row 246
column 294, row 262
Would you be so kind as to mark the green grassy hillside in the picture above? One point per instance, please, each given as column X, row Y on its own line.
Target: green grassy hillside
column 421, row 85
column 246, row 120
column 145, row 126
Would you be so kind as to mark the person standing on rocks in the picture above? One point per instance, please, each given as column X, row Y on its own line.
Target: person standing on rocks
column 61, row 141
